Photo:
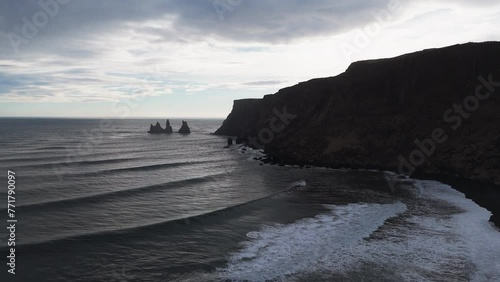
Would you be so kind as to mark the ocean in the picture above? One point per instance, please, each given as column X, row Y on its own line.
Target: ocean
column 102, row 200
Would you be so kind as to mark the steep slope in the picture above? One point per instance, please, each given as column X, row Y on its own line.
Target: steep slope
column 434, row 111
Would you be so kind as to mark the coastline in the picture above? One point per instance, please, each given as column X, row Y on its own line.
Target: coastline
column 484, row 194
column 396, row 114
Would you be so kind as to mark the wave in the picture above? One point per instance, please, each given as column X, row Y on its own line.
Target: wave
column 78, row 163
column 129, row 169
column 34, row 155
column 127, row 131
column 51, row 148
column 65, row 159
column 183, row 221
column 280, row 251
column 106, row 196
column 480, row 240
column 158, row 166
column 438, row 235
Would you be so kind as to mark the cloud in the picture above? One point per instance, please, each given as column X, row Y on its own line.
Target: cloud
column 92, row 50
column 177, row 20
column 277, row 21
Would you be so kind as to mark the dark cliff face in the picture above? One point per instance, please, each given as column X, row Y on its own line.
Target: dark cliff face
column 417, row 112
column 244, row 116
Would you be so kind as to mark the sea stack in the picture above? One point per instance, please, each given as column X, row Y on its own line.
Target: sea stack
column 155, row 129
column 168, row 127
column 184, row 128
column 229, row 142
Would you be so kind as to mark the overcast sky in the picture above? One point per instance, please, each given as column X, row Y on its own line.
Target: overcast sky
column 192, row 58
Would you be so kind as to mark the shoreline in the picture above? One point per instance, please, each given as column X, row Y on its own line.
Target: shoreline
column 485, row 195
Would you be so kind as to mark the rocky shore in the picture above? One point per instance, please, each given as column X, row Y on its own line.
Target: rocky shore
column 430, row 112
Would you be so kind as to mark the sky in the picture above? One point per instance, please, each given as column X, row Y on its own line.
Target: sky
column 192, row 58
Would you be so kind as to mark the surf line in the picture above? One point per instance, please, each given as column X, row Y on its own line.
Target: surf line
column 221, row 212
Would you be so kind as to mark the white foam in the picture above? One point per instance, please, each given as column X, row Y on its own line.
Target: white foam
column 440, row 235
column 301, row 183
column 253, row 235
column 279, row 251
column 481, row 241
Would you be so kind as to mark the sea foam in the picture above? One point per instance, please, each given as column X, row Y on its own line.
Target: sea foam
column 309, row 244
column 438, row 235
column 481, row 241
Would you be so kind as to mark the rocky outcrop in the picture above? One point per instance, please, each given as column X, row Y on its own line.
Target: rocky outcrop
column 156, row 129
column 184, row 128
column 168, row 127
column 229, row 142
column 434, row 111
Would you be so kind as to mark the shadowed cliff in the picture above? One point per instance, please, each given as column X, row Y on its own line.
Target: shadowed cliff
column 434, row 111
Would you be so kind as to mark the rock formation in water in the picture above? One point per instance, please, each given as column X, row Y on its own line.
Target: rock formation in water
column 155, row 129
column 229, row 142
column 184, row 128
column 168, row 127
column 436, row 111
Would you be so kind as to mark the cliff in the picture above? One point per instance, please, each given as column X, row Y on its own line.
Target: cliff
column 434, row 111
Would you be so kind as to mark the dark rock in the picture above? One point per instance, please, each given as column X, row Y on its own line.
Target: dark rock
column 240, row 140
column 244, row 115
column 267, row 160
column 371, row 114
column 168, row 127
column 156, row 129
column 229, row 143
column 184, row 128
